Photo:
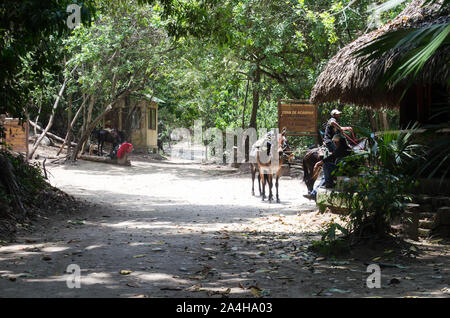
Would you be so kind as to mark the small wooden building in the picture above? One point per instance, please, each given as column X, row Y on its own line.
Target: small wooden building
column 137, row 116
column 344, row 80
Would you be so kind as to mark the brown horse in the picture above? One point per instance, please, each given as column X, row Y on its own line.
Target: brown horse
column 315, row 155
column 309, row 160
column 267, row 171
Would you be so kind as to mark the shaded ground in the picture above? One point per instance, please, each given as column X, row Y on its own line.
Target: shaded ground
column 177, row 229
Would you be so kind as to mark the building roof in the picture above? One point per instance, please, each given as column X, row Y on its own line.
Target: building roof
column 344, row 80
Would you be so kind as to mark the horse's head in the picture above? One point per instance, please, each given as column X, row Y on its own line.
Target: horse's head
column 361, row 144
column 287, row 153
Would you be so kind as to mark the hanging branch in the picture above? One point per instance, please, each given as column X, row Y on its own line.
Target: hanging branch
column 52, row 117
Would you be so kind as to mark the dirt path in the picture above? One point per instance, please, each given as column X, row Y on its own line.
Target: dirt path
column 187, row 230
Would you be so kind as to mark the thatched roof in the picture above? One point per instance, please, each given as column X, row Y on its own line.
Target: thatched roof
column 343, row 80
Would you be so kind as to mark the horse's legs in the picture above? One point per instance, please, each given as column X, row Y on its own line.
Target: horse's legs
column 276, row 186
column 263, row 181
column 270, row 183
column 253, row 179
column 259, row 183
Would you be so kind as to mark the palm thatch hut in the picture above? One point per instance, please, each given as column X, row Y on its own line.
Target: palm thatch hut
column 344, row 80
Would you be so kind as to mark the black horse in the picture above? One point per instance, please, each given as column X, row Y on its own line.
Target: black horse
column 114, row 137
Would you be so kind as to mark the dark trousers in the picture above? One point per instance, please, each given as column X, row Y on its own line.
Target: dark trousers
column 328, row 168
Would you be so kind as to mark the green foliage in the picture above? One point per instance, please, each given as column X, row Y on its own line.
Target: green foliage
column 381, row 189
column 29, row 176
column 330, row 243
column 374, row 200
column 25, row 29
column 419, row 45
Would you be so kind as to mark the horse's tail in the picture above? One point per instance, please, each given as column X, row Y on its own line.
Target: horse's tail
column 306, row 172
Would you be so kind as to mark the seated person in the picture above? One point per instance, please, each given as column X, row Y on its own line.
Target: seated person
column 330, row 164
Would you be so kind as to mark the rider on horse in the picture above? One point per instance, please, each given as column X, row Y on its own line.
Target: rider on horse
column 332, row 141
column 332, row 128
column 329, row 164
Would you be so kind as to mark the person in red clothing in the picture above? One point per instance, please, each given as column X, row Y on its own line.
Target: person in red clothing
column 122, row 153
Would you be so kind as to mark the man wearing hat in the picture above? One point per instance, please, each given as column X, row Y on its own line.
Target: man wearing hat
column 332, row 128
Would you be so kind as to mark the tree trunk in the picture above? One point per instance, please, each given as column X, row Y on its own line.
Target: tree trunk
column 69, row 128
column 89, row 117
column 256, row 80
column 252, row 124
column 91, row 126
column 245, row 104
column 50, row 121
column 37, row 116
column 373, row 119
column 385, row 121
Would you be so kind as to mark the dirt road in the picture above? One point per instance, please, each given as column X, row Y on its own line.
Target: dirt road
column 172, row 229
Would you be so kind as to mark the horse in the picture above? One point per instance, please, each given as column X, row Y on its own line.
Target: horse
column 113, row 136
column 316, row 154
column 266, row 171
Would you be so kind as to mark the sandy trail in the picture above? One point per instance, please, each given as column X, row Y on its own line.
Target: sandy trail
column 178, row 230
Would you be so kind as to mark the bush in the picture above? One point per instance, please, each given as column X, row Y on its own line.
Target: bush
column 379, row 188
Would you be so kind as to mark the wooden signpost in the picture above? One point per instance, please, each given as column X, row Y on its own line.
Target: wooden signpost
column 16, row 135
column 299, row 117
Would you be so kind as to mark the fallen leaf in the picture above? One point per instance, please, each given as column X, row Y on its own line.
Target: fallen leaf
column 255, row 291
column 125, row 272
column 194, row 288
column 217, row 292
column 139, row 256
